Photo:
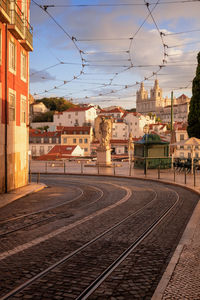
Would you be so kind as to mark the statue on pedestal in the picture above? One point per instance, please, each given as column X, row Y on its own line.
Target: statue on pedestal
column 103, row 133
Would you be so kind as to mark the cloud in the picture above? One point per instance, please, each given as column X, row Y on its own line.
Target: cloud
column 103, row 34
column 40, row 76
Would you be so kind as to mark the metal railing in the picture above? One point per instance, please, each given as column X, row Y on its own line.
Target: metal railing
column 28, row 32
column 116, row 169
column 5, row 4
column 16, row 19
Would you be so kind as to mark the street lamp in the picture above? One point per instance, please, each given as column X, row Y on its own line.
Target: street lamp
column 146, row 131
column 192, row 158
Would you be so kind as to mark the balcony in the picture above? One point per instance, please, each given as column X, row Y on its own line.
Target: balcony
column 27, row 42
column 16, row 26
column 5, row 11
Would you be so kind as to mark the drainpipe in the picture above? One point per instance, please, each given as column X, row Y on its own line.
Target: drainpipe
column 6, row 108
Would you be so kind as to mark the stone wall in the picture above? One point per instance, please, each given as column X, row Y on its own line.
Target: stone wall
column 17, row 159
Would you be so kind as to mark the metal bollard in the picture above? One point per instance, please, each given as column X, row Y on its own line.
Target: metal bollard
column 185, row 176
column 174, row 174
column 81, row 167
column 130, row 169
column 64, row 167
column 159, row 172
column 46, row 167
column 38, row 177
column 114, row 169
column 98, row 169
column 194, row 171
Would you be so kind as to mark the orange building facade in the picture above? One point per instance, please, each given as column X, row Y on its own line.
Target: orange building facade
column 15, row 44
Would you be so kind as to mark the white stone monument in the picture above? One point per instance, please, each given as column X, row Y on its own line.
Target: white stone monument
column 103, row 132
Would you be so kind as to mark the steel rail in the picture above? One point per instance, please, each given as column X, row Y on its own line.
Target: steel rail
column 43, row 210
column 51, row 217
column 72, row 254
column 102, row 277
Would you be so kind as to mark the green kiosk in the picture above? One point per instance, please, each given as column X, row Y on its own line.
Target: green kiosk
column 151, row 152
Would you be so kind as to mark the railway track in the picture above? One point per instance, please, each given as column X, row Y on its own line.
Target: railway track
column 87, row 270
column 23, row 218
column 94, row 285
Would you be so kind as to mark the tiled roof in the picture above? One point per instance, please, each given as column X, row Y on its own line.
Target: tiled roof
column 62, row 149
column 39, row 133
column 114, row 110
column 74, row 129
column 74, row 109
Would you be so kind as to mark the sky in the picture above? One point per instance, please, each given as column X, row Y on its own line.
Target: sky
column 99, row 52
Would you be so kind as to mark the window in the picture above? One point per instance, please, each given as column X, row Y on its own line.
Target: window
column 69, row 116
column 64, row 140
column 42, row 140
column 12, row 57
column 23, row 66
column 181, row 147
column 41, row 149
column 23, row 109
column 74, row 141
column 33, row 150
column 12, row 105
column 181, row 137
column 86, row 149
column 85, row 141
column 80, row 141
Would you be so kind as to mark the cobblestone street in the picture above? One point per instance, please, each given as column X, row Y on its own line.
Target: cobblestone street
column 57, row 242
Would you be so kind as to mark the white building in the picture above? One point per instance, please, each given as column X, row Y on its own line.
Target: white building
column 180, row 110
column 40, row 143
column 161, row 107
column 119, row 130
column 115, row 112
column 136, row 123
column 75, row 116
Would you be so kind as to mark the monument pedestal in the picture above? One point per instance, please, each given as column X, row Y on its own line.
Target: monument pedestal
column 104, row 157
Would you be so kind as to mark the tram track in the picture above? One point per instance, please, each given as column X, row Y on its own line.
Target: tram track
column 112, row 266
column 135, row 225
column 54, row 216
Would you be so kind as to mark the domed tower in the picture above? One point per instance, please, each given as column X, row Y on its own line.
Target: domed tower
column 156, row 94
column 141, row 96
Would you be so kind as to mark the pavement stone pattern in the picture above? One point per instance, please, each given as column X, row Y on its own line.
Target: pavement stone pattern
column 184, row 283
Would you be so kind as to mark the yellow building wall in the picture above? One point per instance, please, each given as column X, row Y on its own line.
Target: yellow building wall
column 17, row 157
column 83, row 145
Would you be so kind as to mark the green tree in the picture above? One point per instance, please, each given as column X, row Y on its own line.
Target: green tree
column 56, row 103
column 193, row 128
column 45, row 117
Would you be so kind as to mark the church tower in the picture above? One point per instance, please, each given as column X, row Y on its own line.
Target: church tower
column 141, row 97
column 156, row 95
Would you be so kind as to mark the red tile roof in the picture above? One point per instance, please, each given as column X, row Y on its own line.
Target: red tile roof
column 114, row 110
column 74, row 129
column 73, row 109
column 62, row 149
column 39, row 133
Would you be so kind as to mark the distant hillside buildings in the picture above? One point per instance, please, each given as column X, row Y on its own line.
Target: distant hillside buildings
column 161, row 107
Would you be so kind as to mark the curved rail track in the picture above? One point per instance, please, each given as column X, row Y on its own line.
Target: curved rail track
column 55, row 215
column 102, row 255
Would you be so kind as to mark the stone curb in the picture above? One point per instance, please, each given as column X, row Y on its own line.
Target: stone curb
column 12, row 197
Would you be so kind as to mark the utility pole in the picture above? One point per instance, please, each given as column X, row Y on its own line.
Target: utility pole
column 172, row 112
